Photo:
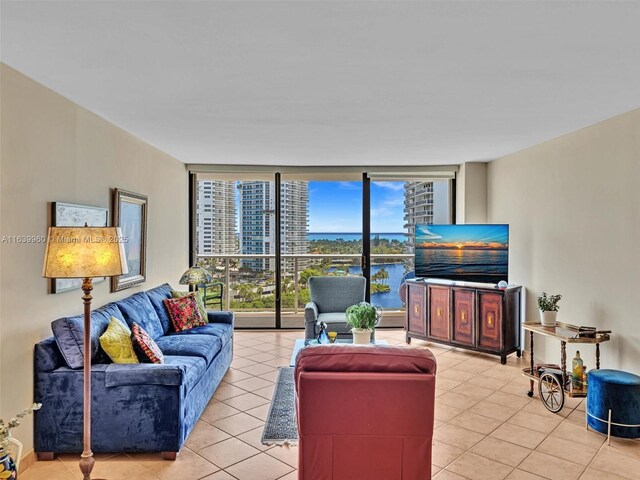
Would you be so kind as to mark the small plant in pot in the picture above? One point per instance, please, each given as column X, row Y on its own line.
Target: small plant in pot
column 548, row 305
column 363, row 318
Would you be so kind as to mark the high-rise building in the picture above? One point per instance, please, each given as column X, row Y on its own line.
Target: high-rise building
column 425, row 202
column 216, row 218
column 257, row 222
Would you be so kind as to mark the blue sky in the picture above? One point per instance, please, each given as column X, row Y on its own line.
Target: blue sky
column 337, row 206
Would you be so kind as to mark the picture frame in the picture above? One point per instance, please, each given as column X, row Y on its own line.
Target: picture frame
column 130, row 214
column 72, row 215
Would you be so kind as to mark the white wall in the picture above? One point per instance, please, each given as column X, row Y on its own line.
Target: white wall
column 54, row 150
column 471, row 193
column 573, row 205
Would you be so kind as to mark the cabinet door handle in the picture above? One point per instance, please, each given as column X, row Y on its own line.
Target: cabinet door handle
column 416, row 309
column 463, row 317
column 490, row 320
column 438, row 312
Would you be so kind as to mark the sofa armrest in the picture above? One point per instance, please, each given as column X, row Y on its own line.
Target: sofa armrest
column 118, row 375
column 220, row 317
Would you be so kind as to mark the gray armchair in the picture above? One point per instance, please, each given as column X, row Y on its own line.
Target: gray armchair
column 330, row 297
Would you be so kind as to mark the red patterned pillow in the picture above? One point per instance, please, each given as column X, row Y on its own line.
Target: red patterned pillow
column 146, row 349
column 184, row 312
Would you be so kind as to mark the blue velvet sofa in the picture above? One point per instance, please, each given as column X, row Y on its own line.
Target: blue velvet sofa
column 135, row 408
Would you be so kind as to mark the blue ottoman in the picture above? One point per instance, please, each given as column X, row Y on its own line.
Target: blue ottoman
column 616, row 391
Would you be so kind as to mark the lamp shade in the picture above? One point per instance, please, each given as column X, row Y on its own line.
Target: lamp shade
column 195, row 276
column 84, row 252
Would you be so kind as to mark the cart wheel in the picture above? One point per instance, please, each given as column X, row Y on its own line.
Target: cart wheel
column 530, row 393
column 551, row 392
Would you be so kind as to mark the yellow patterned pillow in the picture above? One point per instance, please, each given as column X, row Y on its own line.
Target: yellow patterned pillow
column 116, row 341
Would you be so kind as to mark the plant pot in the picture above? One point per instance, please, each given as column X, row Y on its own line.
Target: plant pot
column 548, row 319
column 361, row 336
column 7, row 466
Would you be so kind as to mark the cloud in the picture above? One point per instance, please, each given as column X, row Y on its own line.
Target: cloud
column 350, row 185
column 382, row 212
column 395, row 186
column 426, row 234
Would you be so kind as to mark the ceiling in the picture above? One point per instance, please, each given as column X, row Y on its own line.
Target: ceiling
column 334, row 83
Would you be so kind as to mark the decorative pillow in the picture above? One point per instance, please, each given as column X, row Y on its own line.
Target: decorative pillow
column 199, row 300
column 184, row 313
column 116, row 342
column 147, row 350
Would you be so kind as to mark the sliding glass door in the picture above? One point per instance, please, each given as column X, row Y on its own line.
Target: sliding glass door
column 262, row 235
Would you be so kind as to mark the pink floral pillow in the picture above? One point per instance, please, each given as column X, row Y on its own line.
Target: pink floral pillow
column 146, row 349
column 184, row 313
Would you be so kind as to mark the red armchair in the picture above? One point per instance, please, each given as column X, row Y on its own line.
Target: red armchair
column 365, row 412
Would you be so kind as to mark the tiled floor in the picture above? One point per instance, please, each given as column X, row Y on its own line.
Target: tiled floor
column 486, row 427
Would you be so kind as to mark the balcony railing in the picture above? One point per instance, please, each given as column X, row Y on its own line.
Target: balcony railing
column 253, row 276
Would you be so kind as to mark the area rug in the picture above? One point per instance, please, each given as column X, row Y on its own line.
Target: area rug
column 282, row 425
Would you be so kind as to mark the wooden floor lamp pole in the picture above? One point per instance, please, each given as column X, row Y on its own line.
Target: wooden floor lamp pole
column 86, row 460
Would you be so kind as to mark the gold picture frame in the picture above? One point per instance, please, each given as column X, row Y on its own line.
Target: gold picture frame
column 130, row 214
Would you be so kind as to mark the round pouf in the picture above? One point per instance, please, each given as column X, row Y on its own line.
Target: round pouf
column 616, row 391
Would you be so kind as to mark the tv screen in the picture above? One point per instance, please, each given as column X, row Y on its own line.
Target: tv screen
column 466, row 253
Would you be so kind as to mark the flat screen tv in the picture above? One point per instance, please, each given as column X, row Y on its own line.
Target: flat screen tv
column 465, row 253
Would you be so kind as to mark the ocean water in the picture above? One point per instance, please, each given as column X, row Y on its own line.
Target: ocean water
column 401, row 237
column 489, row 266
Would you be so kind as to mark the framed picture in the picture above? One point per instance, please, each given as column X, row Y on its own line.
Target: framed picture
column 130, row 214
column 70, row 215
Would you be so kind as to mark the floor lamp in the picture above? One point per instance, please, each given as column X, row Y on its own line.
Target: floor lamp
column 86, row 253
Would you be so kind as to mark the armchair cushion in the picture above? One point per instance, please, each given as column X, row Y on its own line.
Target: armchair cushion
column 333, row 317
column 310, row 312
column 336, row 294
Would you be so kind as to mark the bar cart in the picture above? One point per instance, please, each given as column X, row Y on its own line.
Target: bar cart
column 553, row 385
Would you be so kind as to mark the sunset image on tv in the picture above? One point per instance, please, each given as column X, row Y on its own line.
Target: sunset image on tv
column 472, row 253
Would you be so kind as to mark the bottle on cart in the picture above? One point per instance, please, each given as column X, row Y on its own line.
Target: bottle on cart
column 576, row 371
column 584, row 378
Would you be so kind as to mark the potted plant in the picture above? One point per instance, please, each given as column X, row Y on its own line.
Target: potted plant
column 362, row 317
column 548, row 305
column 7, row 464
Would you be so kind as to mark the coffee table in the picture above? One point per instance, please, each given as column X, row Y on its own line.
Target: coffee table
column 301, row 343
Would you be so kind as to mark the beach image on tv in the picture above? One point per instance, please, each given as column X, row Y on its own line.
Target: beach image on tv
column 469, row 253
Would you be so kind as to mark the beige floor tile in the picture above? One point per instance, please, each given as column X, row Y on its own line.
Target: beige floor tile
column 593, row 474
column 188, row 465
column 221, row 475
column 538, row 408
column 626, row 446
column 260, row 412
column 475, row 467
column 239, row 362
column 266, row 392
column 487, row 382
column 290, row 476
column 509, row 400
column 567, row 450
column 234, row 375
column 474, row 391
column 456, row 400
column 246, row 401
column 501, row 451
column 278, row 362
column 226, row 391
column 518, row 435
column 539, row 423
column 254, row 438
column 444, row 413
column 260, row 357
column 53, row 470
column 203, row 435
column 443, row 454
column 260, row 467
column 286, row 454
column 237, row 424
column 216, row 411
column 459, row 375
column 258, row 369
column 447, row 475
column 270, row 376
column 551, row 467
column 226, row 453
column 476, row 423
column 253, row 384
column 613, row 461
column 579, row 434
column 518, row 474
column 457, row 436
column 493, row 410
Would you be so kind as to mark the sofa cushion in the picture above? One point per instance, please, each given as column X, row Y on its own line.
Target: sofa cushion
column 116, row 342
column 145, row 348
column 184, row 313
column 203, row 346
column 137, row 308
column 69, row 332
column 177, row 370
column 221, row 330
column 197, row 297
column 156, row 296
column 336, row 294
